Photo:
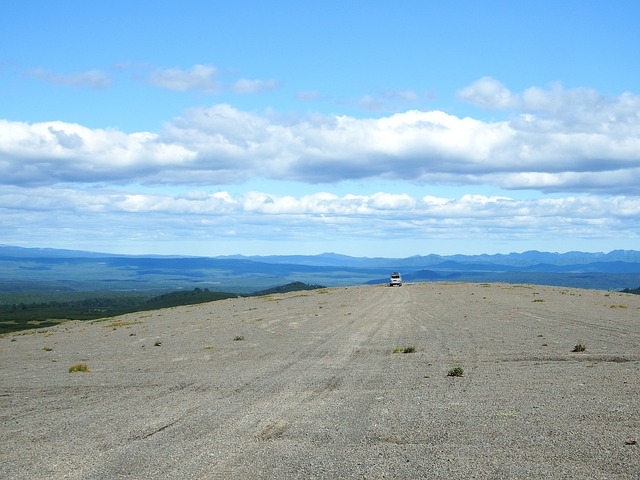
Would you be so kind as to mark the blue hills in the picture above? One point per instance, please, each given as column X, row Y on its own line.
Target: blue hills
column 42, row 268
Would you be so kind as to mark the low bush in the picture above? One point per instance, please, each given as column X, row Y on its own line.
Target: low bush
column 80, row 367
column 404, row 349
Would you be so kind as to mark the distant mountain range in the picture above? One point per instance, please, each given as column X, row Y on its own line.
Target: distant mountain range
column 529, row 258
column 43, row 268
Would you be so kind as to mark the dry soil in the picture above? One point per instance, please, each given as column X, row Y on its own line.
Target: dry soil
column 311, row 385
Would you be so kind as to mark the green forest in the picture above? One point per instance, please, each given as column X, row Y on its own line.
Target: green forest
column 22, row 314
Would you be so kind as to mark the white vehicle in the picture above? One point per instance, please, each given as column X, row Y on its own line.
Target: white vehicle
column 395, row 280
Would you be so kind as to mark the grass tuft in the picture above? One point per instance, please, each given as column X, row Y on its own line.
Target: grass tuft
column 580, row 347
column 80, row 367
column 456, row 372
column 404, row 349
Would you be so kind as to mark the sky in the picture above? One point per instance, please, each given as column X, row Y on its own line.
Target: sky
column 365, row 128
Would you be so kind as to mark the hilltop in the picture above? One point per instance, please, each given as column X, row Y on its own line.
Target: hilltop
column 308, row 384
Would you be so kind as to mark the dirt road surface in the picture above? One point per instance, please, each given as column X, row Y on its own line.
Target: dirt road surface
column 311, row 385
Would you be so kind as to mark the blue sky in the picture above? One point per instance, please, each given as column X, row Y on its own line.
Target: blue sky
column 364, row 128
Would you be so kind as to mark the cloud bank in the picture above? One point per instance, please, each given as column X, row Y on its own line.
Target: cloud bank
column 103, row 214
column 558, row 141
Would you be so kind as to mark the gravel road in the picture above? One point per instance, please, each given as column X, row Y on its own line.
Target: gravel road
column 307, row 385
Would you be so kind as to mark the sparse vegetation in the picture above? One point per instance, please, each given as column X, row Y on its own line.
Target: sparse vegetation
column 404, row 349
column 580, row 347
column 238, row 338
column 80, row 367
column 47, row 349
column 121, row 324
column 456, row 372
column 158, row 343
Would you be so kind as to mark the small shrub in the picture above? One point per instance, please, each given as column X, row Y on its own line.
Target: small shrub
column 456, row 372
column 238, row 338
column 404, row 349
column 80, row 367
column 580, row 347
column 47, row 349
column 157, row 344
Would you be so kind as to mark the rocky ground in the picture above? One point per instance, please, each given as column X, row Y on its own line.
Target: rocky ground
column 307, row 385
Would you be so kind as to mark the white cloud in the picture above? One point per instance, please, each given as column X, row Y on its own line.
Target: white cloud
column 558, row 109
column 258, row 216
column 206, row 79
column 388, row 101
column 202, row 202
column 96, row 78
column 199, row 77
column 488, row 93
column 59, row 152
column 253, row 86
column 591, row 144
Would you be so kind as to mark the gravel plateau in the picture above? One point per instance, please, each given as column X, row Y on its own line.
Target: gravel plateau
column 317, row 384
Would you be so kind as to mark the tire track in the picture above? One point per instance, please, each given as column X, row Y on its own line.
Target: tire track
column 315, row 389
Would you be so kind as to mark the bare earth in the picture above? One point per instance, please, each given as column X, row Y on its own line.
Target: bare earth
column 315, row 390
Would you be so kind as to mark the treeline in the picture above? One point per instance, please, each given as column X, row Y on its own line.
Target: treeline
column 635, row 291
column 190, row 297
column 289, row 287
column 22, row 316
